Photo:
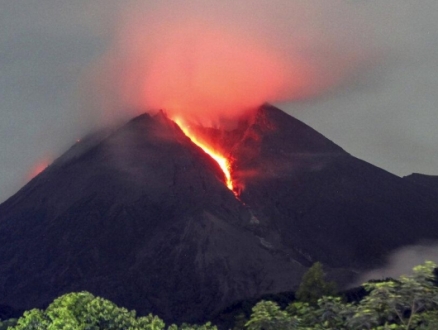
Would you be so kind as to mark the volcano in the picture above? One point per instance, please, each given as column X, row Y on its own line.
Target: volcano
column 142, row 216
column 430, row 181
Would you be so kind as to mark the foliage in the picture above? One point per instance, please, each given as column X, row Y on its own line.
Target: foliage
column 313, row 285
column 83, row 311
column 408, row 303
column 267, row 315
column 411, row 302
column 7, row 323
column 239, row 321
column 184, row 326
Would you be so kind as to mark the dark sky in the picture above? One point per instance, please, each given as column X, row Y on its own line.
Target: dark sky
column 384, row 113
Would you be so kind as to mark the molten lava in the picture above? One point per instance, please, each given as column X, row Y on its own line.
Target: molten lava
column 222, row 161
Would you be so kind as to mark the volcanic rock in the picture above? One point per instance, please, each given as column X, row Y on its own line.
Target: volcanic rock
column 430, row 181
column 142, row 216
column 324, row 203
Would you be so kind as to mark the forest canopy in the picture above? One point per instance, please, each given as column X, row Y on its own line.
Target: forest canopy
column 409, row 302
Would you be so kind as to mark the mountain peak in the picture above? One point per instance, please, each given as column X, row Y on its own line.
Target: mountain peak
column 142, row 216
column 300, row 137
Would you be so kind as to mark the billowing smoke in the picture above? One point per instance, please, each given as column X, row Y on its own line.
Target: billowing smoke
column 402, row 261
column 214, row 60
column 210, row 59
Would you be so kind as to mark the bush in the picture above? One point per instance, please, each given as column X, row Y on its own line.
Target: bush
column 411, row 302
column 313, row 285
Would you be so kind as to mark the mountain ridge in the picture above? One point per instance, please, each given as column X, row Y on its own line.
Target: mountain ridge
column 142, row 216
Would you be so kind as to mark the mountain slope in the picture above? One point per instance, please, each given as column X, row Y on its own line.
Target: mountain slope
column 323, row 202
column 430, row 181
column 142, row 216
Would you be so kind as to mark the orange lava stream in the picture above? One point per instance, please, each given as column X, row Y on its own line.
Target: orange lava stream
column 223, row 162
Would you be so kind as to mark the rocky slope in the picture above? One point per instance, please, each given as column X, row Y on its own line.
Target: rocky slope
column 142, row 216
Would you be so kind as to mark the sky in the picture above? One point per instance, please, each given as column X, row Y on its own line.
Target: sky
column 373, row 66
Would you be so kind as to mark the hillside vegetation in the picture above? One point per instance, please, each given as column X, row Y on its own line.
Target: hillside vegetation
column 409, row 302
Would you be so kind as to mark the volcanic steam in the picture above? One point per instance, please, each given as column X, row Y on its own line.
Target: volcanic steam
column 209, row 62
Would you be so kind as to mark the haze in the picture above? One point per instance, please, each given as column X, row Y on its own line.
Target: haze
column 363, row 73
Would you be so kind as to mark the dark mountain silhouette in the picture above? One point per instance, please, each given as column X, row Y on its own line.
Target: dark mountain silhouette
column 430, row 181
column 324, row 202
column 141, row 216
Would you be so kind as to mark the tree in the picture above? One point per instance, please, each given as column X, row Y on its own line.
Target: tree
column 411, row 302
column 313, row 285
column 32, row 320
column 5, row 324
column 267, row 315
column 83, row 311
column 239, row 321
column 184, row 326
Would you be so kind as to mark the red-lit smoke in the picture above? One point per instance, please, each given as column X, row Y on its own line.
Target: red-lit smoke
column 38, row 168
column 207, row 61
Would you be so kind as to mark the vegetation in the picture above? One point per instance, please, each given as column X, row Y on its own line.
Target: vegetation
column 313, row 286
column 408, row 303
column 83, row 311
column 411, row 302
column 4, row 325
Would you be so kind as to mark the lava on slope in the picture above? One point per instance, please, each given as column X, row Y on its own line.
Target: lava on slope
column 221, row 159
column 141, row 216
column 319, row 201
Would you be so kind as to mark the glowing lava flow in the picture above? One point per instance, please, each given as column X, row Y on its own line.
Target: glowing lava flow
column 223, row 162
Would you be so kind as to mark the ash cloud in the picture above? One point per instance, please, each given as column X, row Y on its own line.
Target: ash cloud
column 402, row 261
column 70, row 67
column 209, row 61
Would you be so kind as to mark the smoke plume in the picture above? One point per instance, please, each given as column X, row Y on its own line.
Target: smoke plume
column 209, row 61
column 402, row 261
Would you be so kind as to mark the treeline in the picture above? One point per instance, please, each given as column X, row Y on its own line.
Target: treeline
column 410, row 302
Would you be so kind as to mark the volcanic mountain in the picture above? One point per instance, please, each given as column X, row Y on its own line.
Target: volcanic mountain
column 430, row 181
column 142, row 216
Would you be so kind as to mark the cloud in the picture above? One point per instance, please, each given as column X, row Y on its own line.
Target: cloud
column 402, row 261
column 210, row 60
column 368, row 67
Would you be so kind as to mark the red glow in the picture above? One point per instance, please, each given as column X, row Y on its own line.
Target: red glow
column 211, row 61
column 38, row 168
column 203, row 72
column 222, row 161
column 219, row 72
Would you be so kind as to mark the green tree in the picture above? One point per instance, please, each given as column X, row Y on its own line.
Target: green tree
column 267, row 315
column 35, row 319
column 184, row 326
column 313, row 285
column 239, row 321
column 427, row 320
column 5, row 324
column 411, row 302
column 83, row 311
column 332, row 313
